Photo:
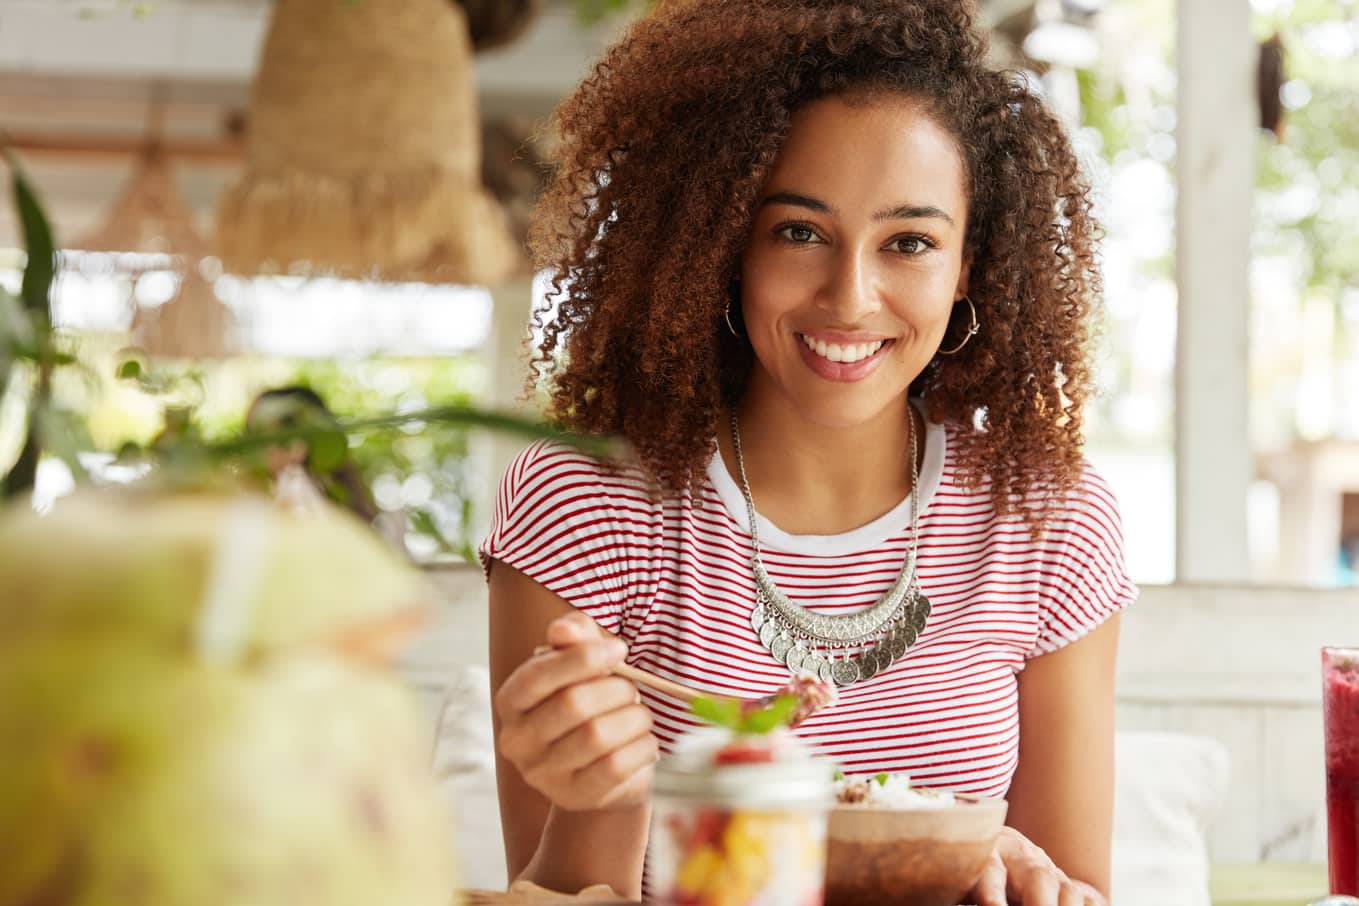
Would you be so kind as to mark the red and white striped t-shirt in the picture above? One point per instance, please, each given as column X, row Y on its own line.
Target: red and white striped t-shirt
column 672, row 577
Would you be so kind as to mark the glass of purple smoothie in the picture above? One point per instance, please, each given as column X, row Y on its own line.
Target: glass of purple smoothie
column 1340, row 710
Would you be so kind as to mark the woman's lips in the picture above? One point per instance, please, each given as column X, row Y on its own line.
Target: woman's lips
column 842, row 372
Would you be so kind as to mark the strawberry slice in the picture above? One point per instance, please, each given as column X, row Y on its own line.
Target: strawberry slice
column 744, row 751
column 708, row 827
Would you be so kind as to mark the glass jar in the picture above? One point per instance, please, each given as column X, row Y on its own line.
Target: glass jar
column 1340, row 713
column 739, row 822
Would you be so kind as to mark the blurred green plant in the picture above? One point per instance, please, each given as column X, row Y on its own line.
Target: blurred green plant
column 28, row 353
column 590, row 12
column 31, row 355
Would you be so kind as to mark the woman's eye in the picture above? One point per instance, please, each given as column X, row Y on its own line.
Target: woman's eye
column 796, row 233
column 910, row 245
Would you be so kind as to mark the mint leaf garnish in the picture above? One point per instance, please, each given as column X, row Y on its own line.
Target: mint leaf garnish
column 775, row 714
column 731, row 713
column 721, row 712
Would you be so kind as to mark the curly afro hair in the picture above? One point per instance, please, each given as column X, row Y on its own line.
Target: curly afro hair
column 663, row 152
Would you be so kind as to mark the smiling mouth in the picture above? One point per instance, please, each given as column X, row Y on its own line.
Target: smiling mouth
column 844, row 353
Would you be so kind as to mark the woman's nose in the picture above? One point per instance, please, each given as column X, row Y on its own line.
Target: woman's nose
column 850, row 292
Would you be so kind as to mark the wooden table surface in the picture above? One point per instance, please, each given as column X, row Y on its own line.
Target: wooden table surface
column 528, row 895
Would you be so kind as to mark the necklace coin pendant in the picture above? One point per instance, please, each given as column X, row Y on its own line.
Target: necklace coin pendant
column 768, row 632
column 780, row 648
column 795, row 658
column 824, row 671
column 897, row 646
column 845, row 672
column 882, row 659
column 920, row 612
column 757, row 618
column 868, row 664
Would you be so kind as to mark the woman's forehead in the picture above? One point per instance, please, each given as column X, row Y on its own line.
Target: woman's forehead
column 856, row 155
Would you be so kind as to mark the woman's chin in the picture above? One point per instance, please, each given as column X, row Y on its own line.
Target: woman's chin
column 838, row 412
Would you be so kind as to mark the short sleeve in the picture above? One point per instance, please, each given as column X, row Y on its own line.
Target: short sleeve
column 554, row 522
column 1092, row 582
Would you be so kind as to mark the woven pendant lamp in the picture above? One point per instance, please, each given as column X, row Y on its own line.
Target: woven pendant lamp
column 151, row 217
column 363, row 153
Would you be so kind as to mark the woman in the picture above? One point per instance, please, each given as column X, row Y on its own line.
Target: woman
column 297, row 407
column 818, row 265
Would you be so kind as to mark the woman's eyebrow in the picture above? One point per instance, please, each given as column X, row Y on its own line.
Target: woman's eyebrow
column 799, row 201
column 896, row 212
column 911, row 212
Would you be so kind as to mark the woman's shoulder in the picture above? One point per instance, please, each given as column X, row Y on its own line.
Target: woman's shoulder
column 552, row 468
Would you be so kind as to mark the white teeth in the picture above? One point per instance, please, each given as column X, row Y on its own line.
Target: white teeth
column 854, row 352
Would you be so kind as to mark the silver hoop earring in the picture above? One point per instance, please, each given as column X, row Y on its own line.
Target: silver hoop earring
column 972, row 328
column 726, row 316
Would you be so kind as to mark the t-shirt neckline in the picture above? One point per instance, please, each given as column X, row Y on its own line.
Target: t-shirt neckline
column 865, row 537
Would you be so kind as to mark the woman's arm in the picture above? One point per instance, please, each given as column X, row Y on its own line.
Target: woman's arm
column 1062, row 795
column 565, row 731
column 1055, row 849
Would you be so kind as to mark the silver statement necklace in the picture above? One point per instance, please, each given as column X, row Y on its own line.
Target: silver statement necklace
column 841, row 649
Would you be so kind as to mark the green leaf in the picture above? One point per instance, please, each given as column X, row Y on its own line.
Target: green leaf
column 424, row 523
column 882, row 778
column 838, row 775
column 775, row 714
column 14, row 328
column 38, row 242
column 721, row 712
column 65, row 434
column 327, row 450
column 130, row 370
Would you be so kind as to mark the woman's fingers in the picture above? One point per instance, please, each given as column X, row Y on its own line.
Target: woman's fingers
column 568, row 710
column 1020, row 873
column 572, row 629
column 599, row 779
column 1072, row 895
column 990, row 887
column 575, row 733
column 597, row 737
column 547, row 674
column 1039, row 885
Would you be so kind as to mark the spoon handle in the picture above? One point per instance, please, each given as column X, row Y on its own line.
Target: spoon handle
column 660, row 684
column 643, row 678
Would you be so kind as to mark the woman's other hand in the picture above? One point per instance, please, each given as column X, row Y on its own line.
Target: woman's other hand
column 1019, row 872
column 577, row 734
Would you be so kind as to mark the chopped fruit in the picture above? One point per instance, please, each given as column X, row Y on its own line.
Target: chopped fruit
column 802, row 696
column 744, row 751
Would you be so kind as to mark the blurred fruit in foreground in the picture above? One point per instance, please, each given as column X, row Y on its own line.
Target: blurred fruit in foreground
column 193, row 710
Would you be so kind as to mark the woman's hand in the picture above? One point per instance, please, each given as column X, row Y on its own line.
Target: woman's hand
column 577, row 734
column 1019, row 872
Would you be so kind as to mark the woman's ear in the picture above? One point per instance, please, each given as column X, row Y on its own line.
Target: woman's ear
column 964, row 275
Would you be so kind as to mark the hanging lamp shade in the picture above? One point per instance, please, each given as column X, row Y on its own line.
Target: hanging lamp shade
column 149, row 217
column 363, row 151
column 152, row 217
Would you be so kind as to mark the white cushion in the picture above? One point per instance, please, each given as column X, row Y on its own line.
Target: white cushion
column 464, row 765
column 1167, row 788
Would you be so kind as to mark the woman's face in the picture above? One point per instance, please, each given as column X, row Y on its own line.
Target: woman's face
column 855, row 259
